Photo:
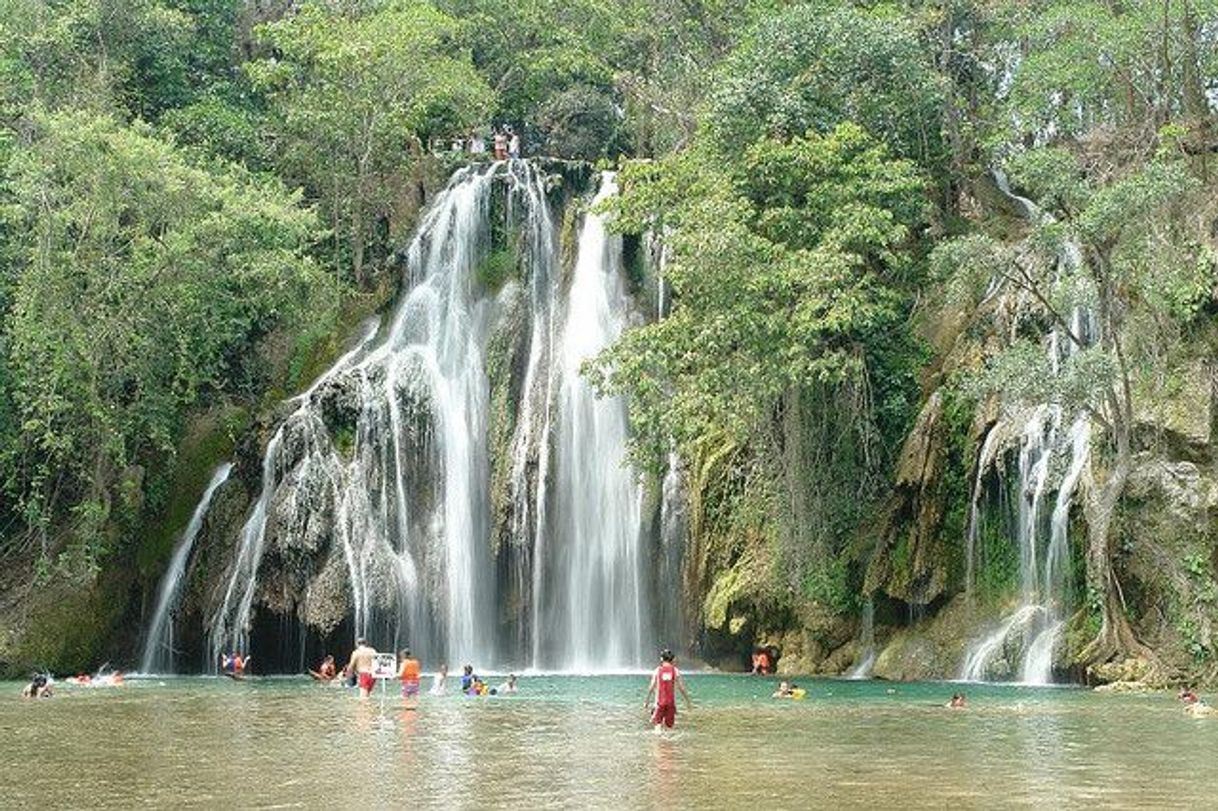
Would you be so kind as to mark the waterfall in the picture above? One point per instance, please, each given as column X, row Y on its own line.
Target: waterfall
column 453, row 482
column 866, row 657
column 158, row 655
column 594, row 609
column 1035, row 626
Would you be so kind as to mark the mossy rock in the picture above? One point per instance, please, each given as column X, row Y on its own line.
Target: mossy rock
column 71, row 627
column 208, row 441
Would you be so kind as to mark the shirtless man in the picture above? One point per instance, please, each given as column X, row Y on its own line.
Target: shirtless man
column 361, row 664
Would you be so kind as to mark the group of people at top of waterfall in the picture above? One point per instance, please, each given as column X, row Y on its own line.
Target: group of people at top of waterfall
column 505, row 143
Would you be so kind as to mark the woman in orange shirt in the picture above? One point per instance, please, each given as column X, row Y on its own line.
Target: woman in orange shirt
column 409, row 674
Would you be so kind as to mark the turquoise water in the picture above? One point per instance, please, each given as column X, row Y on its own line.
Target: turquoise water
column 567, row 741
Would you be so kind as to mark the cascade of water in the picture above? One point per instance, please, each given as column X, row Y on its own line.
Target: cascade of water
column 1043, row 565
column 399, row 486
column 1038, row 660
column 595, row 608
column 158, row 654
column 866, row 657
column 531, row 440
column 377, row 498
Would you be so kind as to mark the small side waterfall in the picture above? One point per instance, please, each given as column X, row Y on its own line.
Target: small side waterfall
column 866, row 657
column 1036, row 625
column 674, row 528
column 158, row 655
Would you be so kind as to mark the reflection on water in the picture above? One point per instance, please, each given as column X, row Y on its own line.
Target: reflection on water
column 585, row 742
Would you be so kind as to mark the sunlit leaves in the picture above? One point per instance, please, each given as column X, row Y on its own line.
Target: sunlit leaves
column 782, row 267
column 817, row 65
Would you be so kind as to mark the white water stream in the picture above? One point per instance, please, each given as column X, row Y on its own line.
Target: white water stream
column 158, row 654
column 378, row 485
column 1035, row 626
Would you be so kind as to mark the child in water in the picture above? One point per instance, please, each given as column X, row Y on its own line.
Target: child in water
column 665, row 682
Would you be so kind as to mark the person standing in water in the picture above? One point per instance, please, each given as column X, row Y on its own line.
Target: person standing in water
column 361, row 665
column 409, row 675
column 664, row 682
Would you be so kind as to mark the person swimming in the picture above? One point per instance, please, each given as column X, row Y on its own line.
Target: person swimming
column 39, row 687
column 508, row 686
column 789, row 689
column 326, row 671
column 233, row 665
column 957, row 702
column 439, row 683
column 467, row 678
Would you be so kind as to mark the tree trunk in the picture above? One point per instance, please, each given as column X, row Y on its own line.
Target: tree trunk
column 357, row 247
column 1115, row 638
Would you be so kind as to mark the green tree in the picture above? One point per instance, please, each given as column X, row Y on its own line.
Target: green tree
column 1104, row 253
column 783, row 266
column 139, row 282
column 354, row 97
column 816, row 65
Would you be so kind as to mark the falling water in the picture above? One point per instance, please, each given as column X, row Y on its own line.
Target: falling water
column 158, row 655
column 595, row 609
column 1037, row 623
column 404, row 503
column 674, row 527
column 377, row 503
column 866, row 657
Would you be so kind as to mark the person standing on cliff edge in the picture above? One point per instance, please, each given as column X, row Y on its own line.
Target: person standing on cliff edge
column 664, row 682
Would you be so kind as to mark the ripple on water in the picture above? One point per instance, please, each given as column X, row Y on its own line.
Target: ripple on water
column 584, row 742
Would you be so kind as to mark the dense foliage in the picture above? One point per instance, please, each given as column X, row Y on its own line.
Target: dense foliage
column 185, row 183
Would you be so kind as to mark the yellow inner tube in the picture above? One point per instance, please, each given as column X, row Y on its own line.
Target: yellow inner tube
column 798, row 693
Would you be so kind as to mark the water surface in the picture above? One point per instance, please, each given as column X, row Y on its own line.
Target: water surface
column 567, row 741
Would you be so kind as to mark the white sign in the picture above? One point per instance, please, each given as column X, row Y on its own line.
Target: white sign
column 384, row 666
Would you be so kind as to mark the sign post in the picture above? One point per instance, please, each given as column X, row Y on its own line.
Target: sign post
column 384, row 667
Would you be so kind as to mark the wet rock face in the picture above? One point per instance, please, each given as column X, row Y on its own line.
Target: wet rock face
column 327, row 600
column 1131, row 671
column 933, row 648
column 340, row 404
column 910, row 562
column 1167, row 557
column 909, row 658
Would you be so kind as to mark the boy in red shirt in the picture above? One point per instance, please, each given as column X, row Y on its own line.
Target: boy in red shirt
column 664, row 682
